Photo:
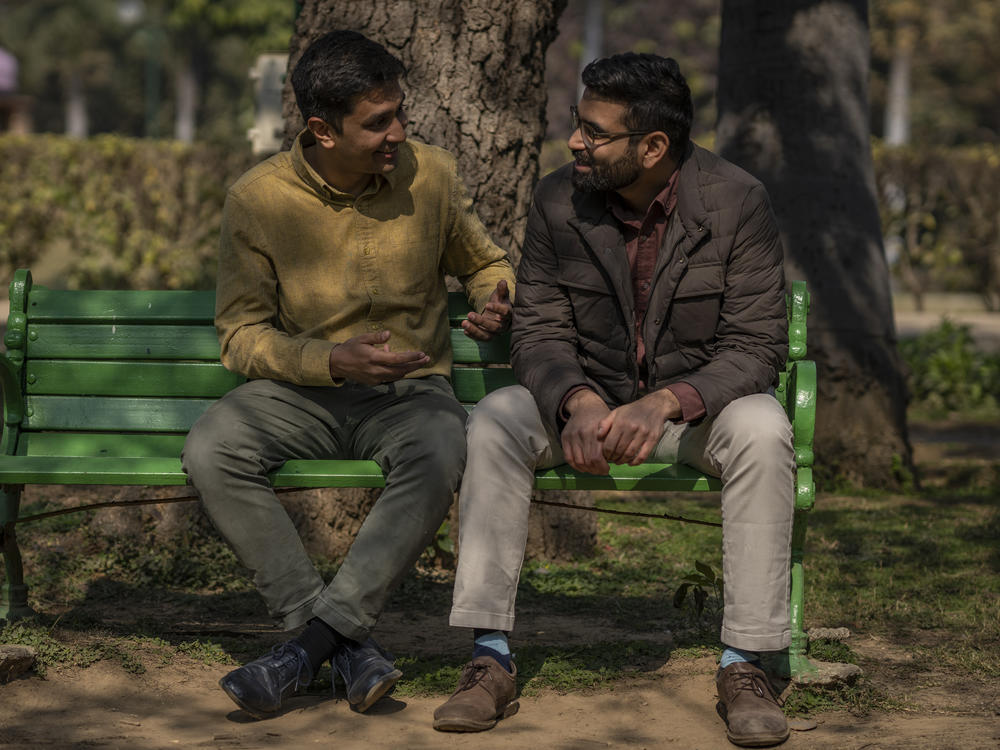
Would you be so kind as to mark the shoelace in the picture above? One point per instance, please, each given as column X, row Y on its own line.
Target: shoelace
column 752, row 682
column 302, row 665
column 472, row 675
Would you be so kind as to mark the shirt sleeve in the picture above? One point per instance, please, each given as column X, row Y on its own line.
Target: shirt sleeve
column 246, row 309
column 692, row 405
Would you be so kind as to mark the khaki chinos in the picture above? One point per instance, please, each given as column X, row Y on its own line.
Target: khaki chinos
column 414, row 430
column 748, row 445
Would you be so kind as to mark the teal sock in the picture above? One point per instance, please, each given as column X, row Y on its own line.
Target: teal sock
column 733, row 655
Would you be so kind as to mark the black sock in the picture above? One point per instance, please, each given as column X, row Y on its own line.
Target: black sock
column 319, row 641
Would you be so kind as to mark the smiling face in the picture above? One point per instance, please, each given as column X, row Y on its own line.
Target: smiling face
column 608, row 165
column 367, row 143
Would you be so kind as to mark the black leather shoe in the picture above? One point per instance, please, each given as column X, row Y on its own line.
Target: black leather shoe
column 368, row 672
column 260, row 686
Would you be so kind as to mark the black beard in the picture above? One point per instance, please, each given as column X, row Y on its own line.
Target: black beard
column 604, row 177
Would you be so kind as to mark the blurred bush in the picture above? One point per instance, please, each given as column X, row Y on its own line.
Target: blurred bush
column 947, row 373
column 940, row 210
column 112, row 212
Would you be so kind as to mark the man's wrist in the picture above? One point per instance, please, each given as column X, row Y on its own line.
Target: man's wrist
column 582, row 398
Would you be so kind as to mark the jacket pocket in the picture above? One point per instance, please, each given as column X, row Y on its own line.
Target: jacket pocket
column 694, row 315
column 595, row 308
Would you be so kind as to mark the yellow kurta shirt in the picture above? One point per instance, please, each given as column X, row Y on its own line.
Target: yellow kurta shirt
column 303, row 267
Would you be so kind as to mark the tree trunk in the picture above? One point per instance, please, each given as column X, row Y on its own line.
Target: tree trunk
column 475, row 85
column 77, row 121
column 793, row 111
column 897, row 106
column 186, row 98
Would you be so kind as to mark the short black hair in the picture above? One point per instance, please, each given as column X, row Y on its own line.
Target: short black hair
column 336, row 69
column 655, row 94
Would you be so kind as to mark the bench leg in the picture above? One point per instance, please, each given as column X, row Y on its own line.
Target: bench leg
column 14, row 593
column 805, row 495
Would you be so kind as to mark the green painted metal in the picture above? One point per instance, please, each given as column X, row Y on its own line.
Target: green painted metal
column 122, row 341
column 472, row 383
column 129, row 414
column 101, row 444
column 645, row 477
column 470, row 351
column 100, row 387
column 130, row 378
column 180, row 307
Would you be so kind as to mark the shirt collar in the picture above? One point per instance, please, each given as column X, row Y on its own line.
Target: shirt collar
column 312, row 178
column 665, row 201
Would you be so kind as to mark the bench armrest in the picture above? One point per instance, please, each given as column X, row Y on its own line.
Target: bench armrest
column 13, row 405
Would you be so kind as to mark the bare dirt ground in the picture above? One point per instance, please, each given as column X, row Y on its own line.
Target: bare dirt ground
column 180, row 705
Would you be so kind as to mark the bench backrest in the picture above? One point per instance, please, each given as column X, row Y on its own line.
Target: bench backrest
column 129, row 372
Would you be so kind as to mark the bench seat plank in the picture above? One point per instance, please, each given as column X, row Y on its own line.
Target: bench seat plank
column 166, row 471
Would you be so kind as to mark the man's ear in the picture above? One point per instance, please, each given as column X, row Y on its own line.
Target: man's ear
column 656, row 149
column 322, row 131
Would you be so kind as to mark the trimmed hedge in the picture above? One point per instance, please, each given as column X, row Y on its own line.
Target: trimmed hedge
column 113, row 212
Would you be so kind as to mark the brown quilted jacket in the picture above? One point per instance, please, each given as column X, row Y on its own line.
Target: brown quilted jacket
column 716, row 316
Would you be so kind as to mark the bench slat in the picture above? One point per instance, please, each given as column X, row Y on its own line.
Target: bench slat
column 114, row 378
column 111, row 413
column 172, row 342
column 53, row 305
column 472, row 383
column 162, row 471
column 120, row 341
column 130, row 445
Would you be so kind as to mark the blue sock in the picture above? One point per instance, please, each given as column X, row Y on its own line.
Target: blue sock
column 732, row 655
column 492, row 643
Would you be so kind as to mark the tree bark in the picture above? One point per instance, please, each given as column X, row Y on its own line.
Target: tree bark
column 475, row 85
column 793, row 111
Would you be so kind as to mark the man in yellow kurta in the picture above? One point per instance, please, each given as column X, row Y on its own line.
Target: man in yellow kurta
column 332, row 301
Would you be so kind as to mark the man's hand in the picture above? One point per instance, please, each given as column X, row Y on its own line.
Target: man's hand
column 630, row 433
column 366, row 359
column 494, row 319
column 580, row 442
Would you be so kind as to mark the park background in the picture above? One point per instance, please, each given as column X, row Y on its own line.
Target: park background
column 133, row 119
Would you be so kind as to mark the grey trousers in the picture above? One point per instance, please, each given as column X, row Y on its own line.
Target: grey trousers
column 414, row 430
column 748, row 445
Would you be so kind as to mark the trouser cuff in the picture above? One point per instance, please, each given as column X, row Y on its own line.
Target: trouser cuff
column 464, row 618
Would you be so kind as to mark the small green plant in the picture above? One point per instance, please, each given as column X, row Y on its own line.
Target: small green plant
column 705, row 587
column 947, row 373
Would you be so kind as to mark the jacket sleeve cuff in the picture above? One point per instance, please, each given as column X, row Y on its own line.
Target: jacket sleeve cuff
column 692, row 405
column 563, row 414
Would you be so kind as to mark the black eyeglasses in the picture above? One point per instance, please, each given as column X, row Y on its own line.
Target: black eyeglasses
column 594, row 138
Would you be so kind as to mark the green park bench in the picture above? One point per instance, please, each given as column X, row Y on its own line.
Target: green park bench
column 101, row 387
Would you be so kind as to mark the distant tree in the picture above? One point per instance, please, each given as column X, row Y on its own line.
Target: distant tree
column 793, row 111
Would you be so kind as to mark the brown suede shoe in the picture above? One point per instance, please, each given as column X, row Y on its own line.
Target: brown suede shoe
column 751, row 712
column 485, row 695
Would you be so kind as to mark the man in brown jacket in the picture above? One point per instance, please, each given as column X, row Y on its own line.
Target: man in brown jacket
column 649, row 324
column 332, row 301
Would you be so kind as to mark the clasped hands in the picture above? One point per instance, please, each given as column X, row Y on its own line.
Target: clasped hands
column 596, row 436
column 366, row 359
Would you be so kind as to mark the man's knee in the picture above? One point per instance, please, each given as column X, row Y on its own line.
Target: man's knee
column 759, row 425
column 500, row 416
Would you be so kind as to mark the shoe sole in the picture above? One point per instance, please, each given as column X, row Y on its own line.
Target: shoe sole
column 256, row 713
column 757, row 740
column 378, row 690
column 471, row 725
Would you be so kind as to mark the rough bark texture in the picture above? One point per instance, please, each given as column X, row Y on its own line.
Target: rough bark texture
column 793, row 111
column 475, row 85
